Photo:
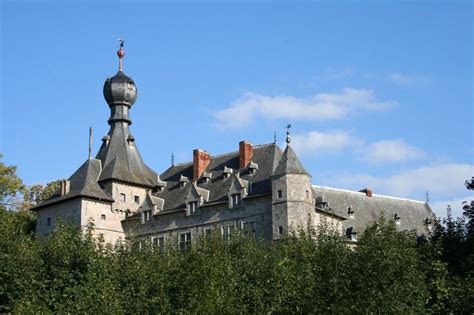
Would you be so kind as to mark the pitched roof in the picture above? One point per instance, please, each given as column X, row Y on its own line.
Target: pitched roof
column 266, row 156
column 289, row 164
column 368, row 209
column 82, row 183
column 121, row 159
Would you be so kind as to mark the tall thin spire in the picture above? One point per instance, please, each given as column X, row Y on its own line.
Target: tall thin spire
column 172, row 158
column 90, row 143
column 121, row 53
column 288, row 138
column 274, row 137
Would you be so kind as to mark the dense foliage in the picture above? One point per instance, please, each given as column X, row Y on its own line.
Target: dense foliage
column 309, row 271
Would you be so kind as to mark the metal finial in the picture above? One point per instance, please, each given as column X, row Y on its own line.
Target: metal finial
column 427, row 197
column 288, row 138
column 121, row 53
column 172, row 159
column 274, row 137
column 90, row 142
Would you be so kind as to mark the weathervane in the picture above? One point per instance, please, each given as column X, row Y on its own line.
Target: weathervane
column 427, row 197
column 121, row 53
column 274, row 137
column 288, row 138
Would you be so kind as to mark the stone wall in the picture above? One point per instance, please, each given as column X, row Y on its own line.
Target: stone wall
column 214, row 217
column 69, row 211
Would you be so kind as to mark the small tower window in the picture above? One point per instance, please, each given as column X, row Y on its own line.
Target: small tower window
column 123, row 197
column 103, row 217
column 236, row 200
column 193, row 207
column 280, row 230
column 280, row 194
column 48, row 221
column 146, row 216
column 307, row 194
column 136, row 199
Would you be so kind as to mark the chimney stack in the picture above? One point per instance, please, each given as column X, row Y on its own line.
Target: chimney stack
column 65, row 187
column 367, row 192
column 201, row 160
column 245, row 153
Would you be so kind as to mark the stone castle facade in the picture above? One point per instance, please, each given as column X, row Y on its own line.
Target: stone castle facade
column 262, row 190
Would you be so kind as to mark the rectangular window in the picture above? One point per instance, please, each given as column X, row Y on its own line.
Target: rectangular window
column 146, row 216
column 250, row 228
column 193, row 206
column 280, row 230
column 227, row 231
column 159, row 243
column 307, row 194
column 48, row 221
column 184, row 241
column 137, row 199
column 236, row 200
column 207, row 232
column 280, row 194
column 123, row 197
column 103, row 217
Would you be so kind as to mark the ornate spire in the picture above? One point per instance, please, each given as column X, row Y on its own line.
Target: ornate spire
column 288, row 138
column 90, row 142
column 121, row 53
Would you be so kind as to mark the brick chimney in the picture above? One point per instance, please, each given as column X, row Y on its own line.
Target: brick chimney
column 367, row 192
column 201, row 160
column 245, row 153
column 65, row 187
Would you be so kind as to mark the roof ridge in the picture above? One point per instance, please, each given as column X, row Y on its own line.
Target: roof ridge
column 373, row 195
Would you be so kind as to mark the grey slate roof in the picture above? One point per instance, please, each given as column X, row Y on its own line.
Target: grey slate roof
column 121, row 159
column 83, row 184
column 266, row 156
column 368, row 209
column 289, row 164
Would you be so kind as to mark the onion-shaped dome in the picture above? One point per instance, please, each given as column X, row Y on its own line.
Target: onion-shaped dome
column 120, row 90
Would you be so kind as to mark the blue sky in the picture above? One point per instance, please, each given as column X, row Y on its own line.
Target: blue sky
column 380, row 95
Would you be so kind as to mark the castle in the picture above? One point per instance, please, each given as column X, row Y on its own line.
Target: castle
column 262, row 190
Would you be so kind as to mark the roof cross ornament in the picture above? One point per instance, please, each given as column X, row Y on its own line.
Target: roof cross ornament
column 121, row 53
column 288, row 138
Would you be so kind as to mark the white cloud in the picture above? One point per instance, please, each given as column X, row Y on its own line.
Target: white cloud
column 391, row 151
column 408, row 80
column 441, row 181
column 253, row 107
column 399, row 78
column 315, row 142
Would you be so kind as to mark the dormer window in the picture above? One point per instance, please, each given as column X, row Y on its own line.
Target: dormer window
column 146, row 215
column 193, row 207
column 350, row 212
column 123, row 197
column 236, row 200
column 253, row 167
column 206, row 177
column 130, row 139
column 227, row 172
column 183, row 181
column 396, row 218
column 136, row 199
column 106, row 140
